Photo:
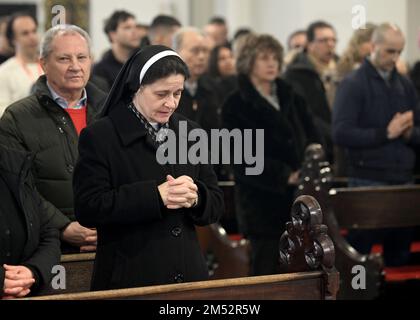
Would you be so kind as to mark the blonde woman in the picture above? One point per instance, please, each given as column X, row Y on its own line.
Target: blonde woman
column 358, row 48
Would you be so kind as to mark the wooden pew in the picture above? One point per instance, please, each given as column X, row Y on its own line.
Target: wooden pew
column 304, row 247
column 295, row 286
column 225, row 258
column 78, row 268
column 358, row 208
column 377, row 207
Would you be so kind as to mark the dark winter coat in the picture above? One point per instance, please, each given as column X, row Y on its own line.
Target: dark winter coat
column 264, row 200
column 415, row 77
column 364, row 106
column 304, row 78
column 204, row 107
column 116, row 191
column 37, row 124
column 37, row 244
column 107, row 68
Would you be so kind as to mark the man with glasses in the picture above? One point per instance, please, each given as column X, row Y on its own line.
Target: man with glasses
column 376, row 120
column 312, row 73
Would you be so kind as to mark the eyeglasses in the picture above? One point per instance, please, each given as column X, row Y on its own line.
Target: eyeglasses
column 326, row 40
column 197, row 50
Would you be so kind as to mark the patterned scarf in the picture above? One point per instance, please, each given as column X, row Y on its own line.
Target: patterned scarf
column 160, row 135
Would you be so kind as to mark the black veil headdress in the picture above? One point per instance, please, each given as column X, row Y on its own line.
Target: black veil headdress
column 132, row 73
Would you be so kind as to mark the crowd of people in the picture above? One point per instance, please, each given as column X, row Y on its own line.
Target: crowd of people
column 78, row 139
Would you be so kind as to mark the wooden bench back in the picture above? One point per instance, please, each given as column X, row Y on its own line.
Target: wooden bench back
column 297, row 286
column 316, row 180
column 226, row 259
column 376, row 207
column 78, row 273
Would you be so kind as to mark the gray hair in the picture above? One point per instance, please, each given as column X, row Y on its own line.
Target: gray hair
column 178, row 38
column 379, row 34
column 61, row 29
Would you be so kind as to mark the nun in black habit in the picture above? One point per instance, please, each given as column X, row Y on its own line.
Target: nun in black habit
column 145, row 213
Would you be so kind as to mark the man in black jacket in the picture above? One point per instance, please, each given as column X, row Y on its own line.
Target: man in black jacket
column 312, row 75
column 120, row 29
column 29, row 244
column 48, row 123
column 376, row 119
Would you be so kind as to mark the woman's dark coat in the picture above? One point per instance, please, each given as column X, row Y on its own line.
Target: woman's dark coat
column 263, row 201
column 116, row 191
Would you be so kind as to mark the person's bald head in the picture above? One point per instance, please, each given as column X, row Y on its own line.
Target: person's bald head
column 388, row 43
column 192, row 46
column 383, row 32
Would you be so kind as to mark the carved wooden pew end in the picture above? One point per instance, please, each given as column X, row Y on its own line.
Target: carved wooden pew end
column 306, row 246
column 365, row 208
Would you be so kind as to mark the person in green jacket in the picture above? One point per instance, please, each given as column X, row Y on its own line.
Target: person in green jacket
column 48, row 122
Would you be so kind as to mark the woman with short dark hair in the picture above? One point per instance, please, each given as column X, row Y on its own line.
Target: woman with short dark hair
column 145, row 213
column 263, row 101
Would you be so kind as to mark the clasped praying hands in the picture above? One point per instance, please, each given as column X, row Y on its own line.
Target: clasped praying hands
column 179, row 193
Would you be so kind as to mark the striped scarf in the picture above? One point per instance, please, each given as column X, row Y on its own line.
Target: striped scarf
column 159, row 135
